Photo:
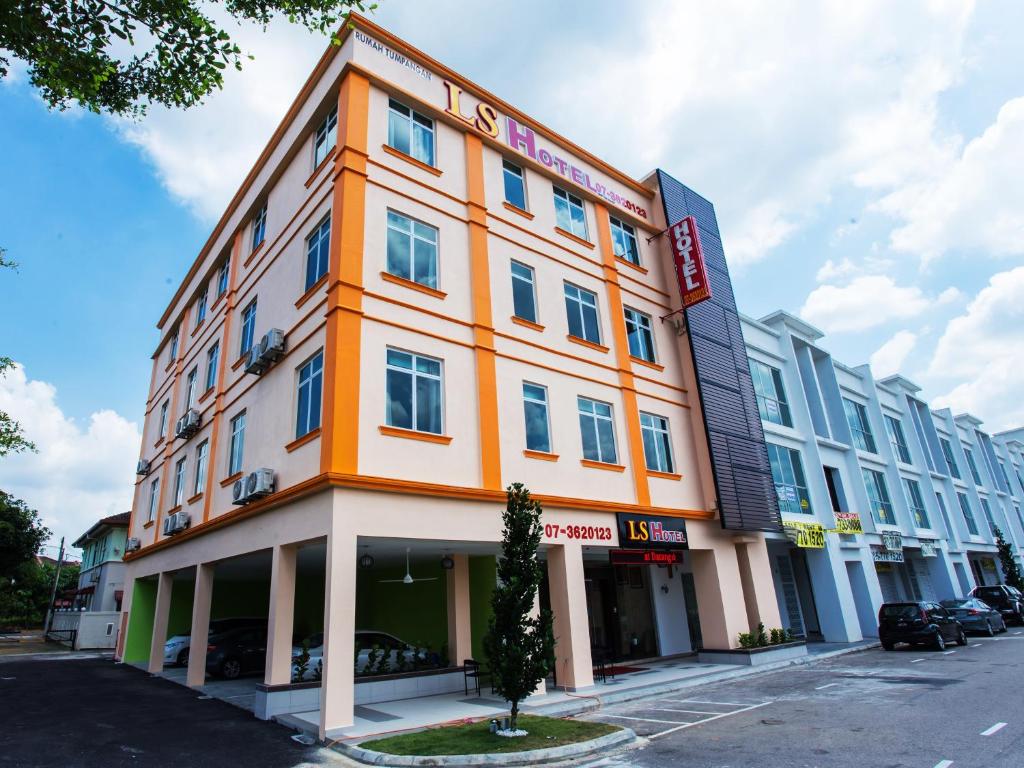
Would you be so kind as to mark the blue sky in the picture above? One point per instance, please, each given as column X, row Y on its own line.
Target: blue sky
column 866, row 161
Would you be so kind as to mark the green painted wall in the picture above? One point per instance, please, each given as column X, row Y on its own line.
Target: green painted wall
column 179, row 616
column 309, row 604
column 140, row 621
column 483, row 576
column 416, row 613
column 239, row 598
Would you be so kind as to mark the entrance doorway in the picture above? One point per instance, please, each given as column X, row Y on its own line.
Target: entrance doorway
column 619, row 611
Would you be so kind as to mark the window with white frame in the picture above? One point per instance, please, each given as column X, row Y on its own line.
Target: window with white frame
column 212, row 361
column 412, row 250
column 414, row 392
column 639, row 334
column 154, row 499
column 310, row 388
column 179, row 481
column 248, row 327
column 173, row 354
column 897, row 439
column 975, row 475
column 317, row 252
column 624, row 243
column 597, row 430
column 515, row 184
column 770, row 394
column 535, row 411
column 259, row 227
column 524, row 292
column 410, row 132
column 947, row 453
column 916, row 503
column 163, row 418
column 657, row 443
column 1006, row 477
column 1020, row 518
column 222, row 276
column 857, row 416
column 570, row 214
column 325, row 137
column 965, row 508
column 200, row 309
column 944, row 512
column 790, row 482
column 236, row 445
column 202, row 459
column 190, row 387
column 878, row 497
column 988, row 515
column 581, row 309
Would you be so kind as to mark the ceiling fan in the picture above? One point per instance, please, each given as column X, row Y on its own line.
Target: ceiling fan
column 407, row 579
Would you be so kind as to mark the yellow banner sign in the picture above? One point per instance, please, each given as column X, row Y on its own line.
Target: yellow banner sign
column 848, row 523
column 805, row 535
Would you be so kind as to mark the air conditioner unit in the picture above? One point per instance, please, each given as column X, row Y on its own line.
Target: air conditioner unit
column 142, row 468
column 253, row 362
column 272, row 346
column 133, row 545
column 259, row 484
column 177, row 522
column 238, row 492
column 188, row 424
column 168, row 522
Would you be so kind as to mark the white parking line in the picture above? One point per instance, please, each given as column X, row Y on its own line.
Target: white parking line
column 649, row 719
column 994, row 729
column 946, row 653
column 823, row 687
column 685, row 711
column 708, row 720
column 1016, row 633
column 943, row 764
column 715, row 703
column 914, row 661
column 975, row 645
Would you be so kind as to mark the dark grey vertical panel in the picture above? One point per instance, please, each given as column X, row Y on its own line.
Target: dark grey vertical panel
column 739, row 459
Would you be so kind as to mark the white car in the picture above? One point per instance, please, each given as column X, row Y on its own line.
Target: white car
column 365, row 642
column 176, row 647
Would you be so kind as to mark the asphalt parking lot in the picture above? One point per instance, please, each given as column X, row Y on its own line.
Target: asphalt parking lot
column 911, row 707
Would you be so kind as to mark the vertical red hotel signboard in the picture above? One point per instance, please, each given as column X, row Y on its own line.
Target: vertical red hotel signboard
column 689, row 262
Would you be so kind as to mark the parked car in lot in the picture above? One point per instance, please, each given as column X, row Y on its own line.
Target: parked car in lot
column 237, row 652
column 1007, row 600
column 176, row 647
column 976, row 616
column 918, row 623
column 366, row 642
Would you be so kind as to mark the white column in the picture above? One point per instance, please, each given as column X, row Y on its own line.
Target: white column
column 573, row 665
column 337, row 692
column 161, row 612
column 199, row 638
column 281, row 618
column 460, row 634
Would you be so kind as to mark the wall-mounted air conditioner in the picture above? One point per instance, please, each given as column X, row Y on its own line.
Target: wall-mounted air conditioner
column 188, row 424
column 142, row 468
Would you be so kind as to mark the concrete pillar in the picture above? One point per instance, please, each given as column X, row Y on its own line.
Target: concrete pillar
column 460, row 632
column 126, row 611
column 281, row 618
column 833, row 595
column 723, row 614
column 337, row 692
column 161, row 613
column 567, row 589
column 944, row 579
column 542, row 686
column 199, row 638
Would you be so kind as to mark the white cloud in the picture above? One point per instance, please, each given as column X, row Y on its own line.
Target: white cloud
column 865, row 302
column 81, row 473
column 983, row 349
column 889, row 358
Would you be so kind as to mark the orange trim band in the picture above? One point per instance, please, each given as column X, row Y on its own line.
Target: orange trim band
column 411, row 160
column 516, row 209
column 323, row 163
column 585, row 343
column 313, row 290
column 252, row 254
column 231, row 479
column 301, row 441
column 413, row 285
column 194, row 499
column 527, row 323
column 603, row 465
column 540, row 455
column 664, row 475
column 574, row 238
column 640, row 361
column 413, row 434
column 631, row 265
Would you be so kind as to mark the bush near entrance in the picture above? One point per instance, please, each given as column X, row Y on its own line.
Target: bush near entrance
column 477, row 739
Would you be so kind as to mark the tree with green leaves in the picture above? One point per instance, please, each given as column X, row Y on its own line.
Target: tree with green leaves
column 1011, row 570
column 22, row 534
column 12, row 436
column 520, row 647
column 117, row 56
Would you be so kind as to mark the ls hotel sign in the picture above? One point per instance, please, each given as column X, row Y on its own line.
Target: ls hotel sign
column 650, row 532
column 689, row 262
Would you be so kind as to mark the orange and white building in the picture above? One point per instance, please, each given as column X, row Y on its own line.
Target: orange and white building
column 418, row 296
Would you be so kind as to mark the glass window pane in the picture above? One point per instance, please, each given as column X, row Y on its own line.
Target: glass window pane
column 536, row 426
column 522, row 298
column 588, row 431
column 423, row 143
column 400, row 359
column 651, row 450
column 428, row 405
column 534, row 392
column 399, row 408
column 424, row 231
column 665, row 446
column 426, row 365
column 399, row 246
column 425, row 265
column 579, row 223
column 606, row 440
column 562, row 217
column 398, row 132
column 515, row 192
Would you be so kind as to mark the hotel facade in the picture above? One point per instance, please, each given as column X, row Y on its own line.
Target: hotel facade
column 417, row 297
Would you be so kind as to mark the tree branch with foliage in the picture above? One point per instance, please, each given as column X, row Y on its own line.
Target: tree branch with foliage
column 1011, row 570
column 12, row 437
column 520, row 647
column 118, row 56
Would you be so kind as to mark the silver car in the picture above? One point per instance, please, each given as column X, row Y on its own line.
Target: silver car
column 365, row 642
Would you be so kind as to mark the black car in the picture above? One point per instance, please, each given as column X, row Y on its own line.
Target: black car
column 1007, row 600
column 918, row 623
column 237, row 652
column 976, row 616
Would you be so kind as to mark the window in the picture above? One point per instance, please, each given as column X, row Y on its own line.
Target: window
column 944, row 512
column 965, row 507
column 259, row 227
column 897, row 439
column 569, row 213
column 190, row 388
column 988, row 515
column 310, row 383
column 535, row 410
column 317, row 250
column 916, row 503
column 878, row 497
column 412, row 250
column 1020, row 518
column 414, row 392
column 624, row 241
column 857, row 416
column 325, row 137
column 410, row 132
column 972, row 465
column 236, row 447
column 524, row 295
column 835, row 487
column 174, row 347
column 154, row 499
column 790, row 485
column 212, row 358
column 771, row 397
column 515, row 185
column 597, row 430
column 581, row 308
column 1006, row 477
column 202, row 458
column 163, row 417
column 947, row 451
column 657, row 443
column 200, row 309
column 248, row 327
column 222, row 277
column 179, row 481
column 639, row 334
